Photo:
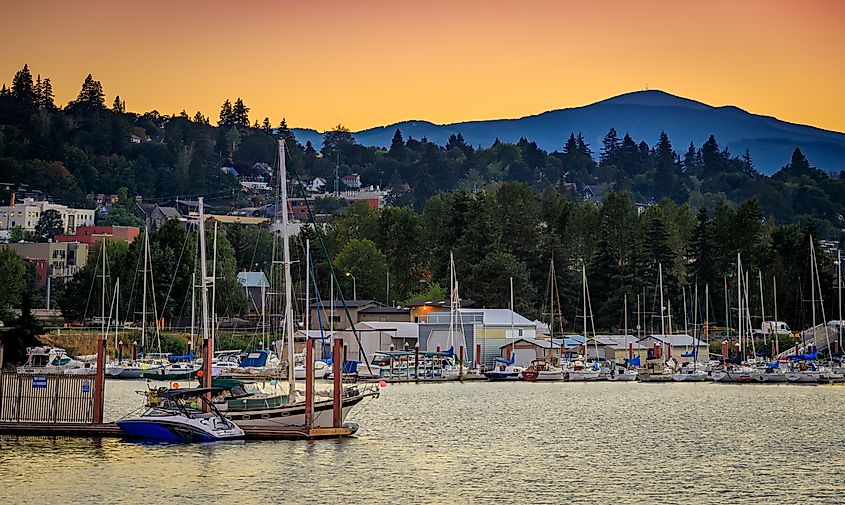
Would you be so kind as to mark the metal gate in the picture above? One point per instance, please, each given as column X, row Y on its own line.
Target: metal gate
column 46, row 398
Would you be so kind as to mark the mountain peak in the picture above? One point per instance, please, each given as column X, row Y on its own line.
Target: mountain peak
column 655, row 98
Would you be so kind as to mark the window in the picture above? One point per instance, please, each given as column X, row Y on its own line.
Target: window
column 520, row 332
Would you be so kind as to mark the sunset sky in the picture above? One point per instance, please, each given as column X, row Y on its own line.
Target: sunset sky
column 367, row 63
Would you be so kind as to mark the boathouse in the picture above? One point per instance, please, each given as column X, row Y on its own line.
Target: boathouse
column 482, row 330
column 675, row 346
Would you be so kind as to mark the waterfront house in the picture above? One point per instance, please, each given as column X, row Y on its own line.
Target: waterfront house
column 527, row 350
column 422, row 307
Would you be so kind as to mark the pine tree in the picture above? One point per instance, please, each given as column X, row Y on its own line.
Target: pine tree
column 610, row 148
column 711, row 157
column 23, row 89
column 47, row 97
column 200, row 118
column 91, row 96
column 225, row 114
column 240, row 114
column 748, row 164
column 119, row 106
column 690, row 162
column 38, row 90
column 266, row 126
column 583, row 147
column 702, row 259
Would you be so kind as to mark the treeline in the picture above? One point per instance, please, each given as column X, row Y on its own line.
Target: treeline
column 515, row 232
column 397, row 254
column 88, row 147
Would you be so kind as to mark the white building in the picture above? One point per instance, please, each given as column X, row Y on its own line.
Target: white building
column 27, row 213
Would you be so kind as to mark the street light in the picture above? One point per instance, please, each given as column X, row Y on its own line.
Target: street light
column 354, row 286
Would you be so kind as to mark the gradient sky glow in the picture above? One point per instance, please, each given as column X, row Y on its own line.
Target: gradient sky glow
column 372, row 62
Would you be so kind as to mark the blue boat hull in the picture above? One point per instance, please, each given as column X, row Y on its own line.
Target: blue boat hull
column 163, row 431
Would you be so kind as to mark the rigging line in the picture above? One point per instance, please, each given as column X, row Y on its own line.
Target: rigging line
column 318, row 233
column 91, row 290
column 132, row 288
column 175, row 272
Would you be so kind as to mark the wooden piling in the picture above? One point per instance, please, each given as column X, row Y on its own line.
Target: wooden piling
column 460, row 363
column 309, row 381
column 100, row 380
column 478, row 356
column 337, row 365
column 417, row 362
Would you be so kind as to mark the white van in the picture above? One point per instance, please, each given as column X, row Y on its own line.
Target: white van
column 772, row 327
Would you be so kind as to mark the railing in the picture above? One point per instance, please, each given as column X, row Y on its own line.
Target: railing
column 46, row 398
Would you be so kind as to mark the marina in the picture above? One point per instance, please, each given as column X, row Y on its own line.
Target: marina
column 639, row 440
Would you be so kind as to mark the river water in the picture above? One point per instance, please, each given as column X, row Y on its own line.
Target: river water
column 479, row 442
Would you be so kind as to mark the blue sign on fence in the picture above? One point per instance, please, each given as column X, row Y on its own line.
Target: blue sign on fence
column 39, row 383
column 86, row 387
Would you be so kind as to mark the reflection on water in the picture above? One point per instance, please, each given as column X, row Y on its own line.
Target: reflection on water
column 480, row 443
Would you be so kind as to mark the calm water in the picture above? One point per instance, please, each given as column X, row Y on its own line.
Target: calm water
column 480, row 443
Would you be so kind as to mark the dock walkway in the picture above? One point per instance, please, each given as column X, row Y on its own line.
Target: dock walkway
column 111, row 430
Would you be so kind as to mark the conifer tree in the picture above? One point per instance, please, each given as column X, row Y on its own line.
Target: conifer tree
column 240, row 114
column 610, row 148
column 225, row 114
column 91, row 96
column 47, row 98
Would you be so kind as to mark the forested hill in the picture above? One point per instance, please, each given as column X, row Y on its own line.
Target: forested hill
column 643, row 115
column 88, row 147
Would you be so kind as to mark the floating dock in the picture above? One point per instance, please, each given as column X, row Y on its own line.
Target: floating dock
column 111, row 430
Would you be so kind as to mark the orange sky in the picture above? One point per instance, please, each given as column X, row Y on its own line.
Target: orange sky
column 366, row 63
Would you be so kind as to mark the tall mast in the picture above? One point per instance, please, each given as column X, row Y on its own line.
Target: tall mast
column 513, row 337
column 103, row 294
column 283, row 178
column 739, row 304
column 694, row 321
column 775, row 299
column 208, row 342
column 639, row 323
column 839, row 285
column 662, row 305
column 762, row 306
column 193, row 312
column 707, row 317
column 144, row 290
column 452, row 296
column 213, row 315
column 584, row 297
column 625, row 311
column 813, row 280
column 686, row 319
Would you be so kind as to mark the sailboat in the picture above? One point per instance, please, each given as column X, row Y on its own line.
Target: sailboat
column 543, row 369
column 626, row 371
column 504, row 369
column 583, row 370
column 256, row 409
column 695, row 371
column 135, row 368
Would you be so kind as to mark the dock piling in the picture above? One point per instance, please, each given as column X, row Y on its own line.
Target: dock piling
column 100, row 380
column 337, row 418
column 460, row 363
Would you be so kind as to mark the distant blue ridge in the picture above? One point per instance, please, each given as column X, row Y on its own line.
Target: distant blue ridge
column 642, row 114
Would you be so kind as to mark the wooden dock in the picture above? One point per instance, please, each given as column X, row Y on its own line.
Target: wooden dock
column 111, row 430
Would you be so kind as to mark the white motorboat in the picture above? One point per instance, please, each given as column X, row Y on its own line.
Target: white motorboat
column 169, row 417
column 54, row 360
column 579, row 371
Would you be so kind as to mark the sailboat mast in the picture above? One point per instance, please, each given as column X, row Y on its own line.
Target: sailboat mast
column 695, row 334
column 584, row 297
column 762, row 306
column 625, row 318
column 193, row 312
column 513, row 337
column 813, row 280
column 686, row 319
column 739, row 315
column 286, row 250
column 208, row 343
column 707, row 317
column 103, row 294
column 306, row 324
column 839, row 285
column 662, row 307
column 213, row 315
column 775, row 326
column 144, row 290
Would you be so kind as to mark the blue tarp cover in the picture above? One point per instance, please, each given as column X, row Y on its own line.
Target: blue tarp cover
column 256, row 358
column 633, row 361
